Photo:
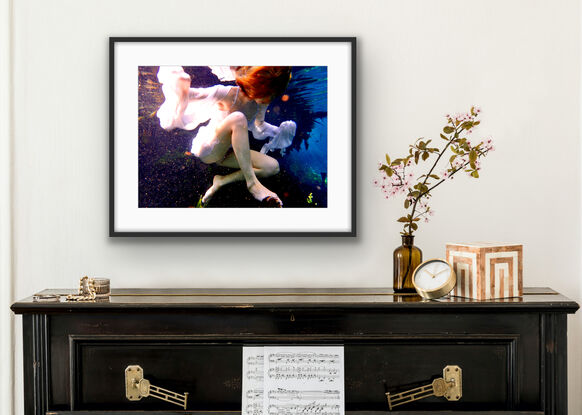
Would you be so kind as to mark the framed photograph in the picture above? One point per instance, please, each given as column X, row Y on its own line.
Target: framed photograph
column 229, row 137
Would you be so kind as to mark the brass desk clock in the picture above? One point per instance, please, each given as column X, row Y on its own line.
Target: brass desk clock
column 434, row 278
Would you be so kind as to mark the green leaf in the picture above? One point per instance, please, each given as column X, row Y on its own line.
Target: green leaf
column 396, row 162
column 444, row 137
column 434, row 176
column 453, row 157
column 406, row 203
column 387, row 159
column 416, row 156
column 422, row 145
column 389, row 172
column 425, row 155
column 448, row 130
column 414, row 226
column 467, row 125
column 475, row 174
column 403, row 220
column 473, row 156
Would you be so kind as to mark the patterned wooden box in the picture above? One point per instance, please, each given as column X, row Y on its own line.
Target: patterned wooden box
column 487, row 270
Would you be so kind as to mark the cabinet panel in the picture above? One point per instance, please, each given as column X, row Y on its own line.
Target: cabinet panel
column 211, row 371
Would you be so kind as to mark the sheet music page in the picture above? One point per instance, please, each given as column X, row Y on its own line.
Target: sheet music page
column 303, row 380
column 252, row 381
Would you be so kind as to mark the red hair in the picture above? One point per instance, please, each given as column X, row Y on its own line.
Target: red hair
column 263, row 81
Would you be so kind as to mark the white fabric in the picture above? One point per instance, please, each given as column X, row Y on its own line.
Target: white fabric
column 281, row 137
column 224, row 73
column 187, row 112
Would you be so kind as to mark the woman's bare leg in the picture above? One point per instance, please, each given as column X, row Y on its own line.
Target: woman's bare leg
column 233, row 132
column 263, row 166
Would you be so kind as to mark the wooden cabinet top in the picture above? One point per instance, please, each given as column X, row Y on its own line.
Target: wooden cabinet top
column 123, row 300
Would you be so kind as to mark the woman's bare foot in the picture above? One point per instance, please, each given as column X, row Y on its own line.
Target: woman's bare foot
column 216, row 184
column 261, row 193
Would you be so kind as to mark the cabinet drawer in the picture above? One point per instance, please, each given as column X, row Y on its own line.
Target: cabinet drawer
column 210, row 371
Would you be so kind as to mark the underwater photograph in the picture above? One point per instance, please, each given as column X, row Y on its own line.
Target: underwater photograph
column 232, row 136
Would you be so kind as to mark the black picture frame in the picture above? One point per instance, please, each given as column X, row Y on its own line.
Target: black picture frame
column 347, row 207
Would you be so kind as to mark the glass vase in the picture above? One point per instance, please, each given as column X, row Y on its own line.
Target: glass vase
column 406, row 258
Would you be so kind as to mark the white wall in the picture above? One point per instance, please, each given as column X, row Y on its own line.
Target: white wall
column 6, row 318
column 519, row 60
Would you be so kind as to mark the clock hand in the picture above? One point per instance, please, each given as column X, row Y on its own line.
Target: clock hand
column 440, row 272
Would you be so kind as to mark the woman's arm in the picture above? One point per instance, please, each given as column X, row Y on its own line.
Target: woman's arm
column 260, row 118
column 281, row 137
column 261, row 128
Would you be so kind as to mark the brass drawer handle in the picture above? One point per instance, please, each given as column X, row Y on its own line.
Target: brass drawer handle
column 136, row 387
column 450, row 386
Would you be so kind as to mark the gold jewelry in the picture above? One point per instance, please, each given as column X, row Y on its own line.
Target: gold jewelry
column 91, row 289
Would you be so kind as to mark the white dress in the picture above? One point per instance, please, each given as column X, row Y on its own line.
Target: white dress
column 201, row 105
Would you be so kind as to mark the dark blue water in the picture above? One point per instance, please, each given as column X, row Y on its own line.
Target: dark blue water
column 171, row 177
column 307, row 161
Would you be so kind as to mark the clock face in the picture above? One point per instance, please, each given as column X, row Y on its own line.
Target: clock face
column 432, row 275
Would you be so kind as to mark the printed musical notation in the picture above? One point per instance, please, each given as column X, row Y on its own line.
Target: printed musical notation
column 291, row 380
column 302, row 358
column 284, row 395
column 308, row 408
column 319, row 373
column 253, row 375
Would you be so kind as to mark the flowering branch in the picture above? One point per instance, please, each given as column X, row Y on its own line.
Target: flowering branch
column 398, row 179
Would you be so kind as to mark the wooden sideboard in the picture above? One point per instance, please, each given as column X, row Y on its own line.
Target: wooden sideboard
column 512, row 352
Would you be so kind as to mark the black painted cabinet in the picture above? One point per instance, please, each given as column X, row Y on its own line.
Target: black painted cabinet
column 512, row 352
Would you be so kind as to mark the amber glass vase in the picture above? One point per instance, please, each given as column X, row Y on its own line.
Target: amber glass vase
column 406, row 258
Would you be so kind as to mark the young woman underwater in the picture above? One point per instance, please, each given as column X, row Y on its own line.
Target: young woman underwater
column 233, row 111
